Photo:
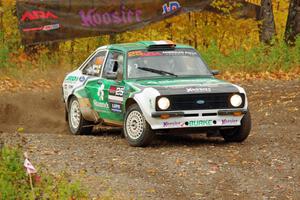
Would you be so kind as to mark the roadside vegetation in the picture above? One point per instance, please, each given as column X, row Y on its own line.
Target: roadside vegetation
column 261, row 58
column 226, row 43
column 15, row 184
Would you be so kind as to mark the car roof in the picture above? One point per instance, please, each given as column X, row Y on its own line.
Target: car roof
column 125, row 47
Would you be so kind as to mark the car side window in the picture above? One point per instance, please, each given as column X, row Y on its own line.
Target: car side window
column 114, row 64
column 94, row 66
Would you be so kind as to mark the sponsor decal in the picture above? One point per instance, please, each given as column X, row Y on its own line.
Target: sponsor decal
column 51, row 27
column 112, row 90
column 72, row 79
column 199, row 123
column 179, row 53
column 117, row 91
column 42, row 28
column 198, row 90
column 100, row 105
column 171, row 7
column 173, row 124
column 38, row 14
column 143, row 54
column 115, row 98
column 101, row 92
column 82, row 79
column 229, row 121
column 163, row 53
column 116, row 107
column 92, row 18
column 116, row 94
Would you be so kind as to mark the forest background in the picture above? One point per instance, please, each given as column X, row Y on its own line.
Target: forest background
column 228, row 44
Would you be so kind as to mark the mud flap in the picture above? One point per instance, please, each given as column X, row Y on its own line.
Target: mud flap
column 86, row 110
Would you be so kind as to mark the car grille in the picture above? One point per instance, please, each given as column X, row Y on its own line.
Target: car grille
column 202, row 101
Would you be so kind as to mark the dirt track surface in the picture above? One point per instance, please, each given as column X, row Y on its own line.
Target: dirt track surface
column 266, row 166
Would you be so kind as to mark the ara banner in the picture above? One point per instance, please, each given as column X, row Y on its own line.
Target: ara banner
column 43, row 21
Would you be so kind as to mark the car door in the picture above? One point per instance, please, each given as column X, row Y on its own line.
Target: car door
column 93, row 86
column 111, row 88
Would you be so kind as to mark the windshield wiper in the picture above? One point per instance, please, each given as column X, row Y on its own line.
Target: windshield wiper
column 161, row 72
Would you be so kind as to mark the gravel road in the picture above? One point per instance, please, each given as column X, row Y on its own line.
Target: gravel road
column 265, row 166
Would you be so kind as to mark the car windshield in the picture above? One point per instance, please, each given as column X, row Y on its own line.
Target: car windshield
column 176, row 63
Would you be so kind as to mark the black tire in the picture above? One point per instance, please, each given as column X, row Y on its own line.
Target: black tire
column 137, row 131
column 84, row 127
column 66, row 115
column 240, row 133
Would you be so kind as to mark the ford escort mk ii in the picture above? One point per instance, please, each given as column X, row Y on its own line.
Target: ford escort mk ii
column 153, row 87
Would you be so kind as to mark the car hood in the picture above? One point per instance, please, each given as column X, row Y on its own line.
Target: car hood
column 186, row 86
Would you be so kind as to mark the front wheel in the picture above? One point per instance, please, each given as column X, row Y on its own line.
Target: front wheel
column 77, row 124
column 238, row 134
column 136, row 129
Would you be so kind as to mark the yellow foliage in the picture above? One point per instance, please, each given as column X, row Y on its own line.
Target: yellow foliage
column 280, row 9
column 199, row 29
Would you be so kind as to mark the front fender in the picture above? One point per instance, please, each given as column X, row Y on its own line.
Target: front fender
column 146, row 101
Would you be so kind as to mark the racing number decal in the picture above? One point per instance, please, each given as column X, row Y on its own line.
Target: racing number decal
column 120, row 91
column 116, row 98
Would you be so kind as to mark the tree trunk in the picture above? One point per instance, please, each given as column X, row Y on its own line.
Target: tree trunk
column 190, row 25
column 1, row 22
column 72, row 52
column 267, row 28
column 293, row 22
column 195, row 30
column 112, row 38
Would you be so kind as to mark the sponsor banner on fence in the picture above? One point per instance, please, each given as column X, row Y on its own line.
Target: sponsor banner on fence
column 52, row 20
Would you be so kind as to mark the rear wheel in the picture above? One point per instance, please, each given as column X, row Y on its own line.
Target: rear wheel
column 77, row 124
column 136, row 129
column 238, row 134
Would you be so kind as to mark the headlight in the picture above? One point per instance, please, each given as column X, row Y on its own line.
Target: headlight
column 163, row 103
column 236, row 100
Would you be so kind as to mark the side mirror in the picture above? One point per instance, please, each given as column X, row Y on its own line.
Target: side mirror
column 215, row 72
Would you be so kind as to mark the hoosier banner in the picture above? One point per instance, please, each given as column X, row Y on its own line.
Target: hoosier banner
column 52, row 20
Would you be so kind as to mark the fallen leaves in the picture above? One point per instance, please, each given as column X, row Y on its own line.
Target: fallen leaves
column 246, row 76
column 178, row 161
column 152, row 171
column 8, row 84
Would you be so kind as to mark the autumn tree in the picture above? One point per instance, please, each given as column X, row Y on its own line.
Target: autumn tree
column 267, row 28
column 1, row 16
column 293, row 22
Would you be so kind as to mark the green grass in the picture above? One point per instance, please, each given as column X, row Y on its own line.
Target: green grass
column 14, row 182
column 261, row 58
column 4, row 53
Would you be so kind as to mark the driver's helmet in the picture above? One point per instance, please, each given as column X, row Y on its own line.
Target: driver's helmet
column 98, row 64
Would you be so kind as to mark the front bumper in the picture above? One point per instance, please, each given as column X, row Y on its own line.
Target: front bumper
column 200, row 118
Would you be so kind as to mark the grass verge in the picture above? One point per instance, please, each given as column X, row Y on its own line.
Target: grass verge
column 14, row 182
column 262, row 58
